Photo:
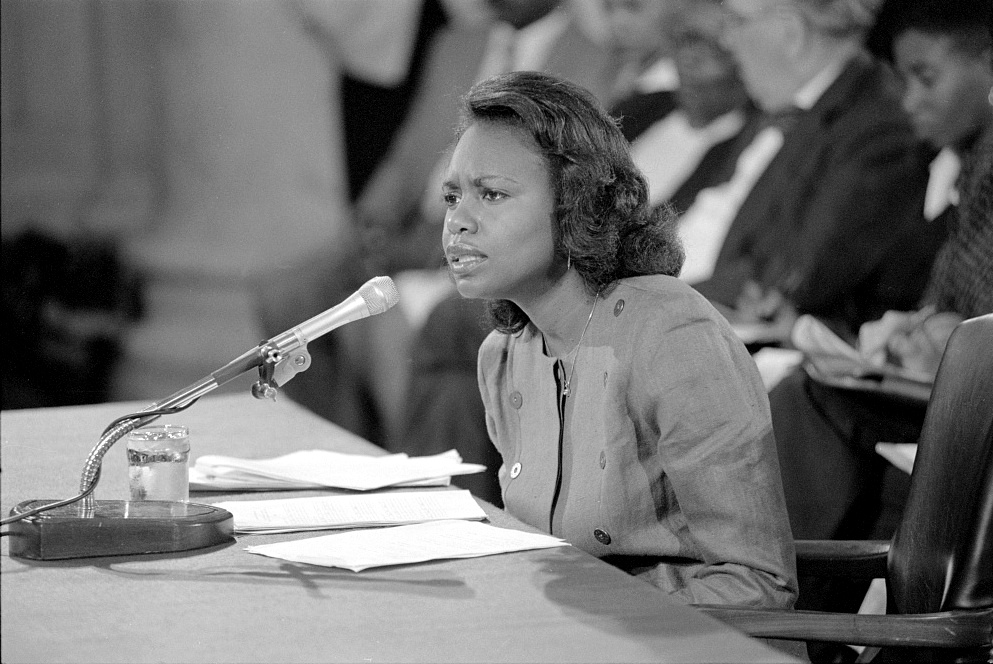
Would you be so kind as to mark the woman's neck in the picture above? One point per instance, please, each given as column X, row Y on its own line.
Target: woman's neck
column 561, row 314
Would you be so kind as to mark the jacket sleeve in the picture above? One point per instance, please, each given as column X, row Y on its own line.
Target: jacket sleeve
column 718, row 454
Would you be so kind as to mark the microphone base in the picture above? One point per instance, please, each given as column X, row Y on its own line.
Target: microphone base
column 117, row 528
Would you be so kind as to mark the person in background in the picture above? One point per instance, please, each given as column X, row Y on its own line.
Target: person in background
column 381, row 46
column 836, row 486
column 644, row 91
column 696, row 145
column 822, row 213
column 630, row 419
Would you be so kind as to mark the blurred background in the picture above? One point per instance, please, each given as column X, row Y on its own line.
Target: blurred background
column 162, row 160
column 168, row 164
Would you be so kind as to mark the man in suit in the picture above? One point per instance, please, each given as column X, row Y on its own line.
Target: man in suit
column 827, row 219
column 696, row 143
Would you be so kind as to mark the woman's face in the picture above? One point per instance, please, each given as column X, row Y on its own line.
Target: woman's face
column 498, row 237
column 945, row 89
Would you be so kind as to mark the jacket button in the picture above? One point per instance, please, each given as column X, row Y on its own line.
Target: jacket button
column 603, row 459
column 515, row 470
column 516, row 400
column 619, row 307
column 601, row 536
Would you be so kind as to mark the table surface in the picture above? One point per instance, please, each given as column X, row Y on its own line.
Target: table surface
column 226, row 605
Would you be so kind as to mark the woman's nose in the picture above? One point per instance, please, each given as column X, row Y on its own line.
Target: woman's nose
column 460, row 219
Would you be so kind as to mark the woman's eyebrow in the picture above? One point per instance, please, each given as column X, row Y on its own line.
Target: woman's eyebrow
column 485, row 179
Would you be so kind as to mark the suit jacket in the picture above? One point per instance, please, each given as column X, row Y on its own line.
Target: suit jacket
column 835, row 222
column 662, row 460
column 717, row 164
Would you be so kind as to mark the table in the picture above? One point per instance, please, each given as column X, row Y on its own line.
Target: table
column 226, row 605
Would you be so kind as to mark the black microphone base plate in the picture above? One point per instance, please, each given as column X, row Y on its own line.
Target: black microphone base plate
column 117, row 528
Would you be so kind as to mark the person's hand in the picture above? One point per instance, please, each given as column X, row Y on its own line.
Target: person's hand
column 768, row 308
column 912, row 340
column 920, row 349
column 875, row 335
column 756, row 304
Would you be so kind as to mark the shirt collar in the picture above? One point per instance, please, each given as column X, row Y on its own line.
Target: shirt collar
column 814, row 89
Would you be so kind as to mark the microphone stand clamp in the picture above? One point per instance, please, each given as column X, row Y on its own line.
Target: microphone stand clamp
column 278, row 369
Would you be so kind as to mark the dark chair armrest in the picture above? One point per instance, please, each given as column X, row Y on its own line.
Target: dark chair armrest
column 949, row 629
column 851, row 559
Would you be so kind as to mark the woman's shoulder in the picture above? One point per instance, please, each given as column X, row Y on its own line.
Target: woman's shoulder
column 495, row 344
column 663, row 296
column 657, row 306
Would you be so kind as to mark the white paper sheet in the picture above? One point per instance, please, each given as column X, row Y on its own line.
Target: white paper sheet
column 901, row 455
column 401, row 545
column 324, row 468
column 236, row 481
column 351, row 511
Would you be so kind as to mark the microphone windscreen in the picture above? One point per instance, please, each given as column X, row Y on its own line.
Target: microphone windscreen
column 379, row 294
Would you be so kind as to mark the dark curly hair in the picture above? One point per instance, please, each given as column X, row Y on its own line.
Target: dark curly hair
column 603, row 221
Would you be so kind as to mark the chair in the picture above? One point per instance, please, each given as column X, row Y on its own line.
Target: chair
column 939, row 564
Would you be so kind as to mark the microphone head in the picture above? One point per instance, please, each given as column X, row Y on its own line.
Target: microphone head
column 379, row 294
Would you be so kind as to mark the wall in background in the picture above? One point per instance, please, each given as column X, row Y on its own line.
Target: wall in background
column 200, row 137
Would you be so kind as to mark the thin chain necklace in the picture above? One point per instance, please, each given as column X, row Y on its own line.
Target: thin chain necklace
column 567, row 389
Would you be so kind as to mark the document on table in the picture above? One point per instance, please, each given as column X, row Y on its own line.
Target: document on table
column 833, row 361
column 402, row 545
column 351, row 511
column 324, row 468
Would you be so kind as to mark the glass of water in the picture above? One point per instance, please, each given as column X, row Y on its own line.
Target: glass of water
column 158, row 462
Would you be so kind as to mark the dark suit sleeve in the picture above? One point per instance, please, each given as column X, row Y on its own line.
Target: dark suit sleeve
column 867, row 199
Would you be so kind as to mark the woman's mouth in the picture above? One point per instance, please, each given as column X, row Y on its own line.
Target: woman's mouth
column 463, row 259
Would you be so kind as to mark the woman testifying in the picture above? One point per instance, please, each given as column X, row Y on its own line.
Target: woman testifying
column 631, row 420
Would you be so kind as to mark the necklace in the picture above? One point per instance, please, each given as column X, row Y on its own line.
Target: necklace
column 567, row 389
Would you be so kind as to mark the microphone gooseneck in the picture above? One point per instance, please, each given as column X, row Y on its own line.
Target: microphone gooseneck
column 374, row 297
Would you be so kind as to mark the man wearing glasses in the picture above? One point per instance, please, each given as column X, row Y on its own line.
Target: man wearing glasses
column 827, row 220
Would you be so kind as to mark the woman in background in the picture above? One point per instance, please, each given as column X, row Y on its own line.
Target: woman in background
column 630, row 419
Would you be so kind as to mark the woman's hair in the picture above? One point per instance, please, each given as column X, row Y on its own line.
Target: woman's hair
column 602, row 220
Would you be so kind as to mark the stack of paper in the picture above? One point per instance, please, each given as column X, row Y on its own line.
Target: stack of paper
column 351, row 511
column 833, row 361
column 360, row 549
column 309, row 469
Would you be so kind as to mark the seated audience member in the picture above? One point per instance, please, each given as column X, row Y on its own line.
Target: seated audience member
column 644, row 91
column 836, row 485
column 630, row 419
column 827, row 436
column 442, row 411
column 696, row 145
column 822, row 213
column 381, row 46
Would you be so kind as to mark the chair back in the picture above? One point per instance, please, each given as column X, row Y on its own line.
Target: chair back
column 941, row 557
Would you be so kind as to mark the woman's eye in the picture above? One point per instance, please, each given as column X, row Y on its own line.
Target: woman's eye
column 451, row 198
column 491, row 195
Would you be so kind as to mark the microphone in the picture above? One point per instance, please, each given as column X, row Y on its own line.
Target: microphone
column 82, row 527
column 374, row 297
